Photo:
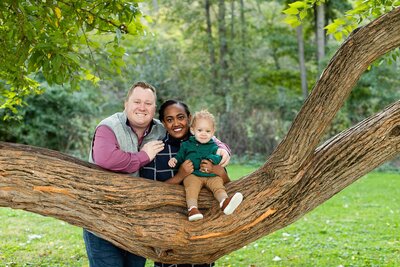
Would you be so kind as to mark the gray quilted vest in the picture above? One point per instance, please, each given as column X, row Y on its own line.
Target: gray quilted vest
column 126, row 138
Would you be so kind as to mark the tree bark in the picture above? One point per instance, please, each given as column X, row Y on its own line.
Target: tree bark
column 149, row 218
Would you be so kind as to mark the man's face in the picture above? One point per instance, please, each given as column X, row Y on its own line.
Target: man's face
column 140, row 107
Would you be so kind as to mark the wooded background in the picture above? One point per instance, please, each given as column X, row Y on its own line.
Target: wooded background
column 237, row 58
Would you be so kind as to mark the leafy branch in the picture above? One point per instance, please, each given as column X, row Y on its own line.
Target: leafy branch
column 49, row 41
column 363, row 12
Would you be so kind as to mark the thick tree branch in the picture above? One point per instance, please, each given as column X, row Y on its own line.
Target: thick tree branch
column 346, row 157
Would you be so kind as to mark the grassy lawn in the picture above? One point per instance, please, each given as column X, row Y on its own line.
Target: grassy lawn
column 357, row 227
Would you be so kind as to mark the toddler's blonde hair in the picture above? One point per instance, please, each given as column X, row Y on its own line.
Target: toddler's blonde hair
column 202, row 114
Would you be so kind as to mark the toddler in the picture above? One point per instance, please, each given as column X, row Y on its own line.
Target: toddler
column 198, row 147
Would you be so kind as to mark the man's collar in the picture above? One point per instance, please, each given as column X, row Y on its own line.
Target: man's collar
column 146, row 131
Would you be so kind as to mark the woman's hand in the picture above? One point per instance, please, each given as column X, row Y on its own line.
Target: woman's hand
column 207, row 167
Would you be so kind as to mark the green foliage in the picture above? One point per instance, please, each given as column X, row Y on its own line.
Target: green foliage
column 55, row 38
column 363, row 11
column 299, row 10
column 376, row 89
column 176, row 59
column 356, row 227
column 56, row 119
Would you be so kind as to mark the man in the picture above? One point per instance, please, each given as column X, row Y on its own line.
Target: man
column 124, row 142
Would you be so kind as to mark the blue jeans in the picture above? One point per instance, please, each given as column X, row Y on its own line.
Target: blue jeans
column 102, row 253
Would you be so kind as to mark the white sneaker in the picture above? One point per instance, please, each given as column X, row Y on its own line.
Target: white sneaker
column 231, row 203
column 194, row 214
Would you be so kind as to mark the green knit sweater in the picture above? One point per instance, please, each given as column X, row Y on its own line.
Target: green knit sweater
column 196, row 151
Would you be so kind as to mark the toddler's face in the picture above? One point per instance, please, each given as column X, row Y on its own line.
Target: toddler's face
column 203, row 130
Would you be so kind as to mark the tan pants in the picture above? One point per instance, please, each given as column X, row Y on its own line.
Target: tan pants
column 193, row 185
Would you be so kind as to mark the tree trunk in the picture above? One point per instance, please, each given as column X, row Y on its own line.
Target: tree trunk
column 223, row 44
column 243, row 35
column 302, row 63
column 211, row 49
column 320, row 34
column 155, row 6
column 223, row 59
column 297, row 177
column 232, row 41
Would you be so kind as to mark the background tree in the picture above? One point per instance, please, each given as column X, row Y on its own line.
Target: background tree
column 56, row 119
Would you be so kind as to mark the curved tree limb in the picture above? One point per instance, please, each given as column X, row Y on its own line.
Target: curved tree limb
column 296, row 178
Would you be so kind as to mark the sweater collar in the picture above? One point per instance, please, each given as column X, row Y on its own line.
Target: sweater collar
column 193, row 140
column 174, row 141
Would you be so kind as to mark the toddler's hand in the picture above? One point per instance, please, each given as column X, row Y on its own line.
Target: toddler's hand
column 172, row 162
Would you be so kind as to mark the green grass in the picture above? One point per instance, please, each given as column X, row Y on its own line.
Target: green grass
column 357, row 227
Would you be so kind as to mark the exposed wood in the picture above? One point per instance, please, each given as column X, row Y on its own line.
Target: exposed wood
column 148, row 218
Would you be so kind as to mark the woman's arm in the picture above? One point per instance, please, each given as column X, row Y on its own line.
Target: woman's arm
column 221, row 145
column 223, row 150
column 185, row 169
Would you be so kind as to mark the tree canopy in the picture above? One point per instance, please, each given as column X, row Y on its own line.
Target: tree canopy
column 55, row 40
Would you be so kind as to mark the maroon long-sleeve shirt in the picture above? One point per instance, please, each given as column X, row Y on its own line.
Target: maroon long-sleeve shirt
column 108, row 155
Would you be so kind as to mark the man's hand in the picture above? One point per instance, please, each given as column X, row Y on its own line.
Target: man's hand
column 225, row 157
column 152, row 148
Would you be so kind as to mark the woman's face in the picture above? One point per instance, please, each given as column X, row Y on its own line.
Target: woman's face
column 176, row 121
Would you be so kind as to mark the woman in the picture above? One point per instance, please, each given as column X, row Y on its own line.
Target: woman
column 176, row 116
